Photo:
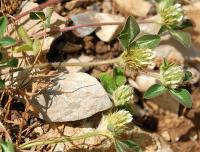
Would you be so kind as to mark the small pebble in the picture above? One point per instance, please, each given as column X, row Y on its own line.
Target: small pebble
column 166, row 135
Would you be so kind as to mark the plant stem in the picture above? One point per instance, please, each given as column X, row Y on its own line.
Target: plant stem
column 39, row 7
column 59, row 139
column 64, row 64
column 81, row 26
column 69, row 28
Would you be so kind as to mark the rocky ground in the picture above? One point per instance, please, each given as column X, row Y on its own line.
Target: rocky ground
column 162, row 125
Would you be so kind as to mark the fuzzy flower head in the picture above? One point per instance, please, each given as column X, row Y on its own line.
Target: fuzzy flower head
column 114, row 124
column 137, row 58
column 171, row 74
column 123, row 95
column 171, row 15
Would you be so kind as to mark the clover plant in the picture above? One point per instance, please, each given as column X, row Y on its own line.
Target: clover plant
column 138, row 53
column 4, row 42
column 171, row 77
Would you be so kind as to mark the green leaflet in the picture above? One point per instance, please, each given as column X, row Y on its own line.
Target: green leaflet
column 129, row 32
column 154, row 91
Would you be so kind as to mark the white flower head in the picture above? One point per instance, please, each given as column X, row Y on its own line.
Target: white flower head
column 114, row 124
column 137, row 58
column 123, row 95
column 172, row 15
column 172, row 75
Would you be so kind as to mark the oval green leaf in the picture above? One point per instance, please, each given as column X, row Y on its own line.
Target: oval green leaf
column 126, row 145
column 37, row 15
column 23, row 48
column 129, row 32
column 12, row 62
column 5, row 41
column 7, row 146
column 3, row 24
column 154, row 91
column 24, row 35
column 148, row 41
column 183, row 96
column 118, row 76
column 108, row 82
column 183, row 37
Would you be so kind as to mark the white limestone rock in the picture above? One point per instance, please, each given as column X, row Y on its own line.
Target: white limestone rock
column 107, row 33
column 75, row 96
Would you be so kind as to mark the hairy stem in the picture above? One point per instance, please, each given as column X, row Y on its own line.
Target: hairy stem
column 64, row 64
column 69, row 28
column 59, row 139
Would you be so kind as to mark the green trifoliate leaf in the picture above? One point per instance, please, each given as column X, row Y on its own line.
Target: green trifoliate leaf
column 137, row 58
column 183, row 37
column 126, row 145
column 3, row 25
column 183, row 96
column 108, row 82
column 118, row 75
column 5, row 41
column 154, row 91
column 2, row 83
column 37, row 46
column 129, row 32
column 37, row 15
column 6, row 146
column 123, row 95
column 147, row 41
column 24, row 35
column 23, row 48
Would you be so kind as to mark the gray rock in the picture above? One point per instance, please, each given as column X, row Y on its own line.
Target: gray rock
column 169, row 52
column 173, row 50
column 149, row 142
column 74, row 96
column 84, row 18
column 142, row 82
column 166, row 135
column 107, row 33
column 138, row 8
column 82, row 58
